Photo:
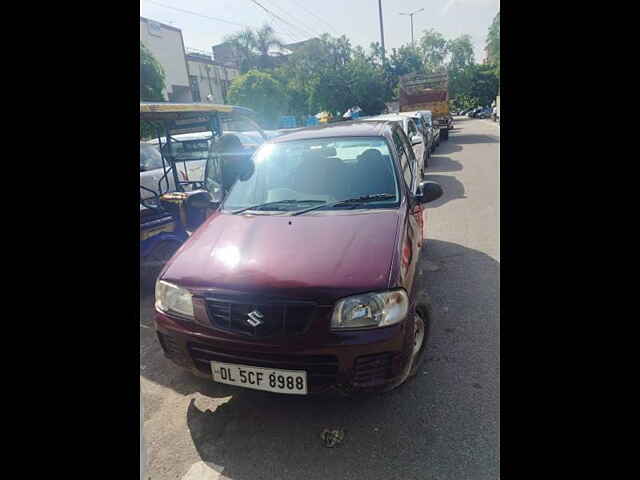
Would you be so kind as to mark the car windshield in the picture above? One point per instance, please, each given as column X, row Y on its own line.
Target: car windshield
column 322, row 170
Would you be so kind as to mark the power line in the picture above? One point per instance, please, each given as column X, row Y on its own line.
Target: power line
column 316, row 16
column 306, row 30
column 201, row 15
column 273, row 14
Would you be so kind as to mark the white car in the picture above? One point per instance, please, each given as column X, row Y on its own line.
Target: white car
column 188, row 148
column 191, row 148
column 418, row 142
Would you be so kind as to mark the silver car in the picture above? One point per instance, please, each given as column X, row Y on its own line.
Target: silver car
column 418, row 141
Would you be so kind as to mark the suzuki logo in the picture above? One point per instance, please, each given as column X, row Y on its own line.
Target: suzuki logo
column 255, row 318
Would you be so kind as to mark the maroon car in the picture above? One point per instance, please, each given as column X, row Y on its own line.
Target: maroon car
column 304, row 279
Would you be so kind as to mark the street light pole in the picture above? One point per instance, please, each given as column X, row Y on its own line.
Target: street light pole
column 410, row 15
column 381, row 28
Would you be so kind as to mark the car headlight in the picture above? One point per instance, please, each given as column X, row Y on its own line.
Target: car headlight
column 173, row 299
column 370, row 310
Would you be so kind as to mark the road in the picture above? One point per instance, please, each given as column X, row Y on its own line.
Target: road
column 442, row 425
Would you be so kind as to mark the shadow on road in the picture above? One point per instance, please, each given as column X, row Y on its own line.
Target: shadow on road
column 468, row 139
column 443, row 424
column 439, row 163
column 452, row 189
column 447, row 148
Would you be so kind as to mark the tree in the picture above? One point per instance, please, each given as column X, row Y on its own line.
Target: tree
column 265, row 41
column 460, row 52
column 243, row 43
column 254, row 47
column 484, row 84
column 152, row 84
column 152, row 78
column 459, row 66
column 493, row 44
column 434, row 50
column 261, row 92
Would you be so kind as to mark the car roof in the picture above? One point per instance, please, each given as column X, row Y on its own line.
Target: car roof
column 356, row 128
column 415, row 114
column 389, row 116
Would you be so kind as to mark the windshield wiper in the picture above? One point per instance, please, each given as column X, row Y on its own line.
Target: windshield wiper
column 260, row 205
column 356, row 200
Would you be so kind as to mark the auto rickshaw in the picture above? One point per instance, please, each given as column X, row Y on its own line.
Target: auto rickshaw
column 171, row 213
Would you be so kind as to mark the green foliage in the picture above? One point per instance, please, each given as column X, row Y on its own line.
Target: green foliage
column 152, row 78
column 485, row 84
column 460, row 51
column 434, row 50
column 493, row 44
column 152, row 84
column 261, row 92
column 329, row 74
column 254, row 47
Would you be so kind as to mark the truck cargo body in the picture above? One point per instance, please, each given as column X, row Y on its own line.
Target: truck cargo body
column 420, row 92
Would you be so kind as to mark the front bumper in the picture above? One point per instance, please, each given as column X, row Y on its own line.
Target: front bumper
column 363, row 361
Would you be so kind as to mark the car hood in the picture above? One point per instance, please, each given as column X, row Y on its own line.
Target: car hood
column 317, row 256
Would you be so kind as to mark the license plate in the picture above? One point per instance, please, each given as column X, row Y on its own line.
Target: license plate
column 269, row 379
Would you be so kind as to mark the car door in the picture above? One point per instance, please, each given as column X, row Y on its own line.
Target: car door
column 412, row 132
column 412, row 232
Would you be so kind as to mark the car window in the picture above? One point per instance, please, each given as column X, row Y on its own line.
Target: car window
column 150, row 158
column 405, row 161
column 324, row 169
column 412, row 129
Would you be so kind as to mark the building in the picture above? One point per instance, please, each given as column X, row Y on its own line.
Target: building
column 166, row 44
column 209, row 80
column 226, row 54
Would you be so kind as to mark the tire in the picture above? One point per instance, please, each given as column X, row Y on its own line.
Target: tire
column 423, row 313
column 444, row 134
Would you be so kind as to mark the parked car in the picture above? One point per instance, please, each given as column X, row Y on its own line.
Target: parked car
column 425, row 127
column 306, row 279
column 417, row 139
column 435, row 131
column 484, row 113
column 474, row 112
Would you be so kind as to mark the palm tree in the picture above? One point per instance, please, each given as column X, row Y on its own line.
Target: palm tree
column 265, row 40
column 243, row 42
column 253, row 47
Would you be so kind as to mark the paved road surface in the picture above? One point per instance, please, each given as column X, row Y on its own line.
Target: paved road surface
column 442, row 425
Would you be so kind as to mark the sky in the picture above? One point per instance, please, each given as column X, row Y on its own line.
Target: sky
column 296, row 20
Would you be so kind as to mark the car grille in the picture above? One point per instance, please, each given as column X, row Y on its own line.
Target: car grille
column 321, row 369
column 371, row 368
column 277, row 319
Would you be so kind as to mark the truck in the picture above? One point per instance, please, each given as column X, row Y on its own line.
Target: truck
column 420, row 91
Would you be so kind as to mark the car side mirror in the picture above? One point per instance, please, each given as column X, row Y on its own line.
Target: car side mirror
column 428, row 192
column 416, row 140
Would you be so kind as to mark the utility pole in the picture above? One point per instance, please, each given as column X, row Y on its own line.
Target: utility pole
column 381, row 28
column 411, row 16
